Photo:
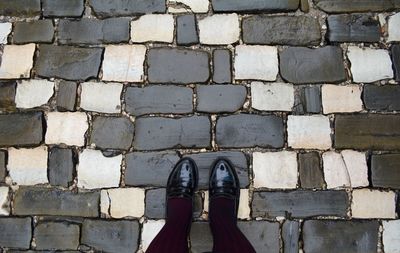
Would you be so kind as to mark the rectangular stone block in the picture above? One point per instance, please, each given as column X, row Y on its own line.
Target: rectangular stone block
column 220, row 98
column 255, row 5
column 34, row 31
column 3, row 161
column 20, row 8
column 339, row 6
column 201, row 237
column 66, row 96
column 17, row 61
column 308, row 99
column 291, row 236
column 7, row 95
column 155, row 203
column 105, row 8
column 186, row 30
column 222, row 66
column 261, row 234
column 382, row 98
column 15, row 232
column 396, row 61
column 385, row 171
column 310, row 171
column 56, row 235
column 62, row 8
column 61, row 166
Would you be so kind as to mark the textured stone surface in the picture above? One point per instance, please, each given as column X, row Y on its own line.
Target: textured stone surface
column 262, row 234
column 338, row 6
column 310, row 100
column 66, row 96
column 123, row 202
column 66, row 127
column 272, row 96
column 396, row 60
column 101, row 97
column 254, row 6
column 394, row 23
column 382, row 98
column 61, row 166
column 5, row 30
column 4, row 200
column 349, row 95
column 201, row 238
column 370, row 204
column 220, row 98
column 155, row 203
column 196, row 6
column 186, row 30
column 41, row 31
column 33, row 93
column 222, row 66
column 291, row 236
column 20, row 8
column 105, row 8
column 17, row 61
column 7, row 95
column 61, row 8
column 3, row 170
column 210, row 29
column 150, row 230
column 153, row 27
column 391, row 235
column 15, row 232
column 385, row 170
column 52, row 235
column 310, row 172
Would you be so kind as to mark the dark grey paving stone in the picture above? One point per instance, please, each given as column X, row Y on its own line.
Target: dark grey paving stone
column 396, row 60
column 220, row 98
column 340, row 236
column 93, row 31
column 304, row 6
column 112, row 133
column 382, row 98
column 155, row 203
column 7, row 95
column 67, row 62
column 163, row 133
column 62, row 8
column 353, row 28
column 222, row 66
column 398, row 204
column 300, row 204
column 301, row 65
column 180, row 66
column 295, row 31
column 66, row 96
column 159, row 99
column 41, row 31
column 245, row 130
column 20, row 8
column 385, row 171
column 186, row 30
column 263, row 235
column 15, row 232
column 106, row 8
column 3, row 170
column 308, row 99
column 61, row 166
column 339, row 6
column 51, row 201
column 254, row 5
column 290, row 236
column 311, row 175
column 111, row 236
column 56, row 235
column 21, row 129
column 149, row 169
column 200, row 237
column 367, row 131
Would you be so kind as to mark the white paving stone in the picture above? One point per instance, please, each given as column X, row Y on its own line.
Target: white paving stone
column 4, row 201
column 153, row 27
column 364, row 67
column 275, row 170
column 394, row 28
column 33, row 93
column 124, row 63
column 101, row 97
column 196, row 6
column 17, row 61
column 391, row 236
column 28, row 166
column 372, row 204
column 97, row 171
column 150, row 230
column 272, row 97
column 256, row 63
column 244, row 204
column 210, row 29
column 309, row 132
column 66, row 127
column 123, row 202
column 5, row 29
column 356, row 163
column 337, row 98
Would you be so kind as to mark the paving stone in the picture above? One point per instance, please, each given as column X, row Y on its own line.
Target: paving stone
column 15, row 232
column 155, row 203
column 4, row 201
column 101, row 97
column 256, row 62
column 33, row 93
column 254, row 6
column 391, row 235
column 295, row 31
column 261, row 234
column 304, row 65
column 105, row 8
column 338, row 236
column 393, row 25
column 41, row 31
column 67, row 62
column 66, row 96
column 3, row 162
column 61, row 8
column 272, row 96
column 382, row 98
column 310, row 100
column 66, row 127
column 210, row 29
column 200, row 237
column 163, row 133
column 52, row 201
column 222, row 66
column 396, row 60
column 180, row 66
column 97, row 171
column 300, row 204
column 196, row 6
column 150, row 230
column 61, row 166
column 244, row 205
column 153, row 27
column 373, row 204
column 338, row 6
column 111, row 236
column 56, row 235
column 186, row 30
column 310, row 171
column 20, row 8
column 367, row 131
column 349, row 96
column 5, row 30
column 220, row 98
column 7, row 95
column 291, row 236
column 123, row 202
column 93, row 31
column 385, row 170
column 353, row 28
column 159, row 99
column 17, row 61
column 275, row 170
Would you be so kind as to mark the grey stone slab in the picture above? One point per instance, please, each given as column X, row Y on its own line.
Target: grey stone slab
column 3, row 170
column 41, row 31
column 290, row 236
column 112, row 133
column 62, row 8
column 180, row 66
column 304, row 6
column 61, row 166
column 15, row 232
column 67, row 62
column 396, row 60
column 311, row 175
column 295, row 31
column 340, row 236
column 56, row 235
column 155, row 203
column 111, row 236
column 312, row 97
column 163, row 133
column 159, row 99
column 301, row 65
column 245, row 130
column 106, row 8
column 385, row 171
column 66, row 96
column 220, row 98
column 340, row 6
column 222, row 66
column 51, row 201
column 186, row 30
column 353, row 28
column 382, row 98
column 201, row 238
column 20, row 8
column 93, row 31
column 7, row 95
column 300, row 204
column 263, row 235
column 21, row 129
column 255, row 5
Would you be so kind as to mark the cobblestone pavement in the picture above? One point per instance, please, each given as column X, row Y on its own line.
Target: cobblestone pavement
column 99, row 99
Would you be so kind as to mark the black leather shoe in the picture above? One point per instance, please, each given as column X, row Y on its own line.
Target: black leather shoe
column 182, row 181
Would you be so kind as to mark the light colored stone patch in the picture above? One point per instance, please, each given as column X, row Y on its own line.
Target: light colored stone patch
column 337, row 98
column 206, row 203
column 33, row 93
column 153, row 27
column 105, row 203
column 210, row 29
column 272, row 97
column 335, row 171
column 124, row 63
column 373, row 204
column 275, row 170
column 196, row 6
column 364, row 67
column 28, row 166
column 66, row 127
column 4, row 201
column 244, row 205
column 17, row 61
column 309, row 132
column 123, row 202
column 391, row 236
column 256, row 63
column 150, row 229
column 97, row 171
column 394, row 29
column 356, row 163
column 5, row 29
column 101, row 97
